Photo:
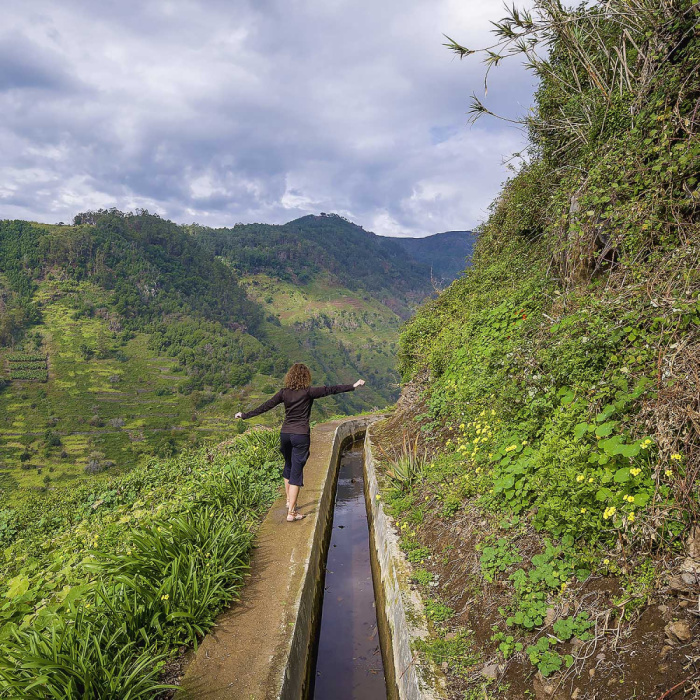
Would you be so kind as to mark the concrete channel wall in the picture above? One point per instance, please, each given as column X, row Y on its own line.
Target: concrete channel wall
column 262, row 647
column 409, row 676
column 298, row 668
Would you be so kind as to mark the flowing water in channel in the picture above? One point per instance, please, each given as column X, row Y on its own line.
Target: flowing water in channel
column 349, row 661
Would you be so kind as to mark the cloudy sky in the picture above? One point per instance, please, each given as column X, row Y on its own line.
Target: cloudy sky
column 219, row 111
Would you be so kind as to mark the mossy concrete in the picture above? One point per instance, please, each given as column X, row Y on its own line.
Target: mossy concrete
column 400, row 610
column 262, row 647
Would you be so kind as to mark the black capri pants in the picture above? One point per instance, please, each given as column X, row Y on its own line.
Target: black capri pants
column 295, row 449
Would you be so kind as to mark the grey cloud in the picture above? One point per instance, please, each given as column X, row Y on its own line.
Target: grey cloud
column 24, row 65
column 237, row 111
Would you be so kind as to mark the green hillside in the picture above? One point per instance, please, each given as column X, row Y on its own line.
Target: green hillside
column 330, row 244
column 446, row 254
column 555, row 385
column 127, row 335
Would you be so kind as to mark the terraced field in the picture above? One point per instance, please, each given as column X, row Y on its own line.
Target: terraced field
column 110, row 399
column 348, row 332
column 106, row 401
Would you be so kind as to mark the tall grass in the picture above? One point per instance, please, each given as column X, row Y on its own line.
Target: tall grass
column 88, row 657
column 153, row 586
column 405, row 467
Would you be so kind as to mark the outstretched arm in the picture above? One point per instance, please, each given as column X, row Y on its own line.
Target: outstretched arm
column 317, row 392
column 263, row 407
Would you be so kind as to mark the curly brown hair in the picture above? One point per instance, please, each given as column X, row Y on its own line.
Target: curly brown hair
column 298, row 377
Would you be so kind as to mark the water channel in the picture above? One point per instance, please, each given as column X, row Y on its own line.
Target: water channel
column 349, row 660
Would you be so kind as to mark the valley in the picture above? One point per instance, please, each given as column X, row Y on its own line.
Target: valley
column 154, row 335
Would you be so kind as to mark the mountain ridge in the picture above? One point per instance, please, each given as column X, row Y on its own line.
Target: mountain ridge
column 157, row 333
column 447, row 253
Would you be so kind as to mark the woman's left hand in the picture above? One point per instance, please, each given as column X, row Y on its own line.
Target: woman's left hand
column 359, row 382
column 238, row 415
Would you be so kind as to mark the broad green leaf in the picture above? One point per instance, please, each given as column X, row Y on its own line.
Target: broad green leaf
column 610, row 445
column 567, row 398
column 641, row 499
column 628, row 450
column 580, row 430
column 605, row 413
column 622, row 475
column 18, row 585
column 605, row 429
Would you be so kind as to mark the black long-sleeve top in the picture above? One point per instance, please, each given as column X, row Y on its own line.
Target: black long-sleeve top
column 297, row 405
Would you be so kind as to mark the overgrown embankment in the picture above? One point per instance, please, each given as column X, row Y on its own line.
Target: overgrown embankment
column 101, row 586
column 560, row 392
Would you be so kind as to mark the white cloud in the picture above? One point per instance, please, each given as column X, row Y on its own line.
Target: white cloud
column 225, row 111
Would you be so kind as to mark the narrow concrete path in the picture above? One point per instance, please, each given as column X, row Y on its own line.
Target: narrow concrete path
column 260, row 647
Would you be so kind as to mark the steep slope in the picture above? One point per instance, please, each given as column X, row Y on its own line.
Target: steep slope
column 555, row 386
column 446, row 254
column 327, row 244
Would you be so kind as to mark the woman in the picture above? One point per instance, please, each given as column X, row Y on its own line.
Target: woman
column 297, row 396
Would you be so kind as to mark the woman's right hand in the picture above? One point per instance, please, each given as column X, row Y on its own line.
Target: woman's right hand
column 359, row 382
column 238, row 415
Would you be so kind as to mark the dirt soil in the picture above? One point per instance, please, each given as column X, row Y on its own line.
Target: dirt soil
column 629, row 657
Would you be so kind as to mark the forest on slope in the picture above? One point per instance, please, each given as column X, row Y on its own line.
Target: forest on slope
column 555, row 386
column 390, row 269
column 126, row 335
column 444, row 253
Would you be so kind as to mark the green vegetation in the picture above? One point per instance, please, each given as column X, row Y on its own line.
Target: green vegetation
column 298, row 251
column 103, row 583
column 554, row 370
column 447, row 253
column 545, row 355
column 29, row 367
column 130, row 336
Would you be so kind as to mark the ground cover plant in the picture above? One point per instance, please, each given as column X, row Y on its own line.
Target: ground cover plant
column 101, row 585
column 558, row 377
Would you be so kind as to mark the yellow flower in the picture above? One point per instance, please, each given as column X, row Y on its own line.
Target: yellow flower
column 630, row 517
column 563, row 586
column 678, row 457
column 590, row 480
column 635, row 471
column 165, row 597
column 580, row 478
column 609, row 512
column 583, row 510
column 669, row 472
column 524, row 443
column 606, row 561
column 461, row 426
column 511, row 448
column 629, row 499
column 378, row 497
